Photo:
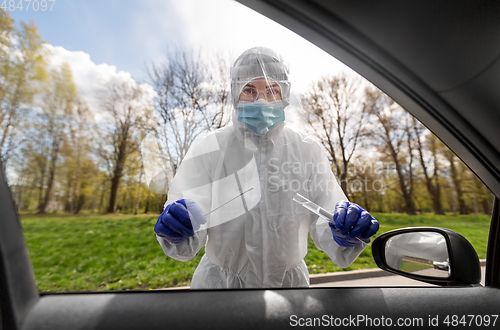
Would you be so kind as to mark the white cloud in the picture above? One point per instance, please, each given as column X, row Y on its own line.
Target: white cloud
column 212, row 26
column 224, row 24
column 90, row 77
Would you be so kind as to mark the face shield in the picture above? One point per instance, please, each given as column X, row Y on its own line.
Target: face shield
column 260, row 89
column 260, row 62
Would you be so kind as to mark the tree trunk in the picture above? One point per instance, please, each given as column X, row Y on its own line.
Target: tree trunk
column 76, row 193
column 115, row 182
column 163, row 200
column 117, row 175
column 408, row 198
column 434, row 190
column 147, row 205
column 81, row 201
column 101, row 199
column 40, row 186
column 365, row 196
column 435, row 195
column 343, row 182
column 462, row 207
column 483, row 196
column 69, row 204
column 138, row 191
column 486, row 206
column 52, row 171
column 438, row 205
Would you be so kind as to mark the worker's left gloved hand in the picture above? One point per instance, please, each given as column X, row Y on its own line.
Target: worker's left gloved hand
column 179, row 221
column 351, row 223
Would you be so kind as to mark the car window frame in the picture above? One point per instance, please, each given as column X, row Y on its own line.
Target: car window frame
column 18, row 293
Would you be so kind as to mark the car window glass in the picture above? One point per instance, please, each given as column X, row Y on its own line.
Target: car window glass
column 83, row 109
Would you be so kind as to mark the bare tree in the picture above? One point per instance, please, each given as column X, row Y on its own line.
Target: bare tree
column 396, row 140
column 192, row 98
column 128, row 114
column 337, row 118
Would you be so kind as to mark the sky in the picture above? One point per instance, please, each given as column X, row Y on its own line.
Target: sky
column 119, row 39
column 131, row 35
column 103, row 40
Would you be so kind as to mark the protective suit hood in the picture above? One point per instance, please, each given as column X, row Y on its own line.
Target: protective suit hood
column 260, row 62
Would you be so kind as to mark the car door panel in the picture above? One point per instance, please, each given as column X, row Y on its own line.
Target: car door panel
column 262, row 309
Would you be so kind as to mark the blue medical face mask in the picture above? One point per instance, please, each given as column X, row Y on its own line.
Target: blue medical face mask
column 261, row 116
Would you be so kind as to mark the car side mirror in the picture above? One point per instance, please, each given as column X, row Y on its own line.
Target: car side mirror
column 432, row 255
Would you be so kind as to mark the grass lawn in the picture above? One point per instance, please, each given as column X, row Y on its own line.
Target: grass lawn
column 120, row 252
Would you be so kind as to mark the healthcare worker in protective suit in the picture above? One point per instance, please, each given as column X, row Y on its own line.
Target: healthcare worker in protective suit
column 233, row 193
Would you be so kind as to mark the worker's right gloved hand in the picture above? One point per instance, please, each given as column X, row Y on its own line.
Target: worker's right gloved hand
column 179, row 221
column 352, row 224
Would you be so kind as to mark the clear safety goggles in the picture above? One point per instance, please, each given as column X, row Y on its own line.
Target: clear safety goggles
column 261, row 88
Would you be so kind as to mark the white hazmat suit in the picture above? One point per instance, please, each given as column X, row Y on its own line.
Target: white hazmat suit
column 258, row 240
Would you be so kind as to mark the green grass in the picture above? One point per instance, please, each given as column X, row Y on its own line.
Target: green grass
column 120, row 252
column 101, row 253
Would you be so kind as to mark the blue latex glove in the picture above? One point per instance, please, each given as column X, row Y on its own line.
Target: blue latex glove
column 351, row 221
column 174, row 224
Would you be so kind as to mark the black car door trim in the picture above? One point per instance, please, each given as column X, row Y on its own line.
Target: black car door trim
column 493, row 254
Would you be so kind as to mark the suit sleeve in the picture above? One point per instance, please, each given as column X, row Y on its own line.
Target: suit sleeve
column 185, row 250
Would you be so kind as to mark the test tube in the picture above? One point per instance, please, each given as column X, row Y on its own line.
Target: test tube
column 318, row 210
